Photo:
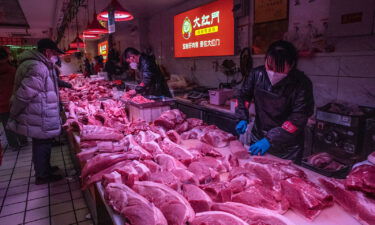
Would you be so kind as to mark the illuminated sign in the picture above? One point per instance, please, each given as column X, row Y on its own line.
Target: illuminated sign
column 103, row 50
column 205, row 31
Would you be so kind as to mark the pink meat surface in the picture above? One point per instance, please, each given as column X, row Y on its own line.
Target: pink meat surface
column 355, row 203
column 167, row 178
column 320, row 160
column 169, row 119
column 92, row 178
column 92, row 132
column 174, row 136
column 217, row 218
column 134, row 207
column 180, row 128
column 306, row 197
column 259, row 196
column 362, row 178
column 177, row 151
column 197, row 198
column 176, row 209
column 216, row 137
column 194, row 122
column 102, row 161
column 168, row 162
column 252, row 215
column 218, row 191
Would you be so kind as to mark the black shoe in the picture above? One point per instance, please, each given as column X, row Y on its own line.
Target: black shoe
column 54, row 169
column 49, row 179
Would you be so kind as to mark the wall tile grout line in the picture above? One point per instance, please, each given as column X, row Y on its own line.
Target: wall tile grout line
column 10, row 179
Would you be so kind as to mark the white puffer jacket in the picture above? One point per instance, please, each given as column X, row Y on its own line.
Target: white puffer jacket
column 35, row 102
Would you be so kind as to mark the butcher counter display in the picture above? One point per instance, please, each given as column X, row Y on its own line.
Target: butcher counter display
column 179, row 170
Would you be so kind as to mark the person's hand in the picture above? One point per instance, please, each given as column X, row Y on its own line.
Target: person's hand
column 241, row 127
column 260, row 147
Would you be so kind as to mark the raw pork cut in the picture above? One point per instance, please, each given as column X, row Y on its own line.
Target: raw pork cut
column 98, row 176
column 92, row 132
column 176, row 209
column 134, row 207
column 167, row 178
column 174, row 136
column 216, row 137
column 260, row 196
column 102, row 161
column 354, row 202
column 113, row 177
column 272, row 171
column 133, row 171
column 168, row 162
column 218, row 191
column 205, row 150
column 217, row 218
column 169, row 119
column 194, row 122
column 177, row 151
column 320, row 160
column 252, row 215
column 306, row 197
column 207, row 168
column 135, row 148
column 180, row 128
column 197, row 198
column 362, row 178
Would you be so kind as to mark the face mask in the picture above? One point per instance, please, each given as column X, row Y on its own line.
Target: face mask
column 275, row 77
column 133, row 65
column 54, row 59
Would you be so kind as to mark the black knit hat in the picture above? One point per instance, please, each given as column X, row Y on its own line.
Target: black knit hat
column 47, row 43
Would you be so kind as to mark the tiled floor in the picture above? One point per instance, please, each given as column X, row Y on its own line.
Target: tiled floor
column 23, row 202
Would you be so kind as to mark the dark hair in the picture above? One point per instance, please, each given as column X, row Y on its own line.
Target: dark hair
column 99, row 59
column 3, row 53
column 282, row 52
column 130, row 51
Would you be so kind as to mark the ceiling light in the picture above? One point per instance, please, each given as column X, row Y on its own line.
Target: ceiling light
column 121, row 14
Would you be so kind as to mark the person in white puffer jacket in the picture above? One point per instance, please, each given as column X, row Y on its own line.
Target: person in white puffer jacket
column 35, row 106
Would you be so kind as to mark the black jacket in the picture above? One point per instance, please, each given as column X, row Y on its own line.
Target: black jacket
column 282, row 110
column 154, row 82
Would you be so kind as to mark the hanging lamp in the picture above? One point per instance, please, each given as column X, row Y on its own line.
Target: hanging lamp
column 89, row 36
column 92, row 30
column 121, row 14
column 77, row 42
column 95, row 27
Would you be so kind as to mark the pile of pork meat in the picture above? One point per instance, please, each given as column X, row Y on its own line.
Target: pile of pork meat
column 179, row 171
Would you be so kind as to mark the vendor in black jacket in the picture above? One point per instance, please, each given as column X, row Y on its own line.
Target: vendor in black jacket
column 283, row 98
column 153, row 82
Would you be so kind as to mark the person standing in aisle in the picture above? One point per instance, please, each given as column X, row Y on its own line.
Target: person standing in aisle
column 153, row 82
column 34, row 108
column 283, row 98
column 7, row 75
column 98, row 67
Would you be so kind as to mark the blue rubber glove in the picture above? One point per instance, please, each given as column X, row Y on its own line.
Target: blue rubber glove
column 241, row 127
column 260, row 147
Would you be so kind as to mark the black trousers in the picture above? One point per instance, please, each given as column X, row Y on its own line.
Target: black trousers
column 14, row 140
column 41, row 157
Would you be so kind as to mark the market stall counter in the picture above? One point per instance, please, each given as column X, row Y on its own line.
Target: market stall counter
column 179, row 169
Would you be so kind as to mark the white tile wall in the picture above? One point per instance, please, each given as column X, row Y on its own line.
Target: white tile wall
column 320, row 65
column 358, row 66
column 360, row 91
column 325, row 89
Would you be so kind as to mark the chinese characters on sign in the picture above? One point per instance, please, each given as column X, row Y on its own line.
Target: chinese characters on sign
column 206, row 30
column 201, row 44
